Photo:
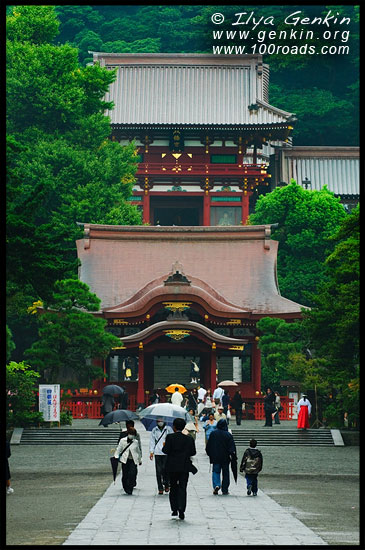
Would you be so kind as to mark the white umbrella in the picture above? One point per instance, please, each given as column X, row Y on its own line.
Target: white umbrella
column 227, row 383
column 167, row 411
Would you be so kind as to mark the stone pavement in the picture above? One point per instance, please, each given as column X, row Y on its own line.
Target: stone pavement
column 144, row 518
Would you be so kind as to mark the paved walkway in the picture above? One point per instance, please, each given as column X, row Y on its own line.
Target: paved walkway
column 144, row 518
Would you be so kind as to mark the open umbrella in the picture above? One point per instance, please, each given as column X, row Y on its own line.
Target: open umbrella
column 180, row 387
column 114, row 462
column 167, row 411
column 227, row 383
column 234, row 466
column 112, row 389
column 118, row 416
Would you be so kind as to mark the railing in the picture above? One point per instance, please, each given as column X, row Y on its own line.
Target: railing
column 285, row 414
column 201, row 169
column 92, row 409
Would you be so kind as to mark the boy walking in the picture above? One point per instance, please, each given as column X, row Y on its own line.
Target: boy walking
column 251, row 464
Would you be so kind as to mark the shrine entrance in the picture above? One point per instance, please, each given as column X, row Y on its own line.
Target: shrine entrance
column 176, row 210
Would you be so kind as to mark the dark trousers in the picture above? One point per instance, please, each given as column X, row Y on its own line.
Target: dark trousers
column 268, row 418
column 238, row 416
column 161, row 475
column 251, row 479
column 129, row 475
column 178, row 486
column 276, row 418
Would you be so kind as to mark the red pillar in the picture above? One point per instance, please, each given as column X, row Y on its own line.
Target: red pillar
column 256, row 367
column 206, row 209
column 140, row 386
column 146, row 208
column 245, row 207
column 213, row 368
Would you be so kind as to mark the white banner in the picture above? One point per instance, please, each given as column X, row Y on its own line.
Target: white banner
column 49, row 402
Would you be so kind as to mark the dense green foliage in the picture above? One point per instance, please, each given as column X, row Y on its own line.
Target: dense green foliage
column 318, row 88
column 305, row 219
column 61, row 166
column 322, row 351
column 21, row 385
column 69, row 337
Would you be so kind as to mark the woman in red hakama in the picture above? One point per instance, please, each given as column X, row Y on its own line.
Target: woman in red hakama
column 304, row 410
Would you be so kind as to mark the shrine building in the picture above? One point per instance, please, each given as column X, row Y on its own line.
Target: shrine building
column 192, row 282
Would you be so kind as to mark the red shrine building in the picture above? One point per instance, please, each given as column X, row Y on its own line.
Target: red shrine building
column 192, row 282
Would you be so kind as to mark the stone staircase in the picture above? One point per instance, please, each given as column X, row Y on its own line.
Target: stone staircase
column 283, row 437
column 109, row 436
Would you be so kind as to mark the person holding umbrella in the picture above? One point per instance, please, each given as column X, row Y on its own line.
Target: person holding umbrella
column 176, row 398
column 157, row 441
column 108, row 398
column 128, row 453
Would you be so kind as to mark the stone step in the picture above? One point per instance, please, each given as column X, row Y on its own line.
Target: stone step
column 277, row 436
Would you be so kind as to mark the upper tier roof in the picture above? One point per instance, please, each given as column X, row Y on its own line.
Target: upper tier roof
column 189, row 89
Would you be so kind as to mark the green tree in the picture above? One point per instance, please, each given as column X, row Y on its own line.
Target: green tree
column 21, row 388
column 278, row 340
column 61, row 166
column 10, row 346
column 306, row 219
column 70, row 336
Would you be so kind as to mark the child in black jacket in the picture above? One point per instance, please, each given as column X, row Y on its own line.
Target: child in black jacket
column 251, row 464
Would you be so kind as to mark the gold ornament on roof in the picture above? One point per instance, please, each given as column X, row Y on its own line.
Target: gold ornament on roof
column 177, row 334
column 177, row 306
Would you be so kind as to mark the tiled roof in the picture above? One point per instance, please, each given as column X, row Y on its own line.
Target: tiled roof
column 189, row 89
column 239, row 262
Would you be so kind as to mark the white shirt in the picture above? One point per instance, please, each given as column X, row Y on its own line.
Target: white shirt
column 302, row 402
column 218, row 392
column 201, row 393
column 176, row 398
column 156, row 441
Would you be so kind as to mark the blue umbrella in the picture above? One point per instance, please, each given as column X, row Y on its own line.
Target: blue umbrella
column 167, row 411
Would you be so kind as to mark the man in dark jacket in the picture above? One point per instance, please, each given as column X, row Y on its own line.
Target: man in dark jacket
column 237, row 403
column 220, row 448
column 179, row 448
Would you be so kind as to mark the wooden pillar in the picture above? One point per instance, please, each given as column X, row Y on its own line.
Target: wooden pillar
column 146, row 202
column 140, row 386
column 245, row 206
column 206, row 204
column 254, row 158
column 213, row 368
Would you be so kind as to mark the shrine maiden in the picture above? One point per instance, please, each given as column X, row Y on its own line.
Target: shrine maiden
column 304, row 410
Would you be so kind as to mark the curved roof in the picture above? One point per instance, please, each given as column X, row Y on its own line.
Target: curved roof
column 120, row 263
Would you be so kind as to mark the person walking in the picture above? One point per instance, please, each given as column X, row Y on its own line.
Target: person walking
column 9, row 489
column 124, row 433
column 225, row 403
column 208, row 402
column 278, row 408
column 304, row 408
column 201, row 397
column 154, row 398
column 157, row 441
column 177, row 398
column 209, row 425
column 178, row 448
column 193, row 400
column 123, row 399
column 194, row 372
column 236, row 404
column 107, row 404
column 269, row 406
column 219, row 414
column 217, row 395
column 128, row 453
column 220, row 449
column 251, row 464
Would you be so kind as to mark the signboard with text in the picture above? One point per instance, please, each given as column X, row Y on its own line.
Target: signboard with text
column 49, row 402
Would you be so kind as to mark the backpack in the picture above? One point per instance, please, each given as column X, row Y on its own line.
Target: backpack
column 252, row 464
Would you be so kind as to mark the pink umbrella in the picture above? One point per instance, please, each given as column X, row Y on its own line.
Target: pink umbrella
column 227, row 383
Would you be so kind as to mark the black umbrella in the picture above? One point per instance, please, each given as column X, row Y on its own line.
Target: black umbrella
column 118, row 416
column 112, row 389
column 234, row 466
column 114, row 462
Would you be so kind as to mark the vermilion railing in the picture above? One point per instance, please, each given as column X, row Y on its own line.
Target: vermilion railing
column 285, row 414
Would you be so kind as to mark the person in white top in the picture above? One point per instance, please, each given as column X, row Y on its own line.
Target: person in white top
column 217, row 395
column 157, row 441
column 176, row 398
column 201, row 396
column 129, row 454
column 304, row 410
